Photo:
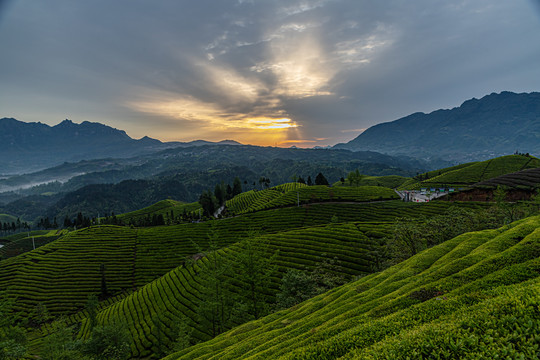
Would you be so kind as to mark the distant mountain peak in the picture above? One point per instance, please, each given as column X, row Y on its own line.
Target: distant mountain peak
column 491, row 126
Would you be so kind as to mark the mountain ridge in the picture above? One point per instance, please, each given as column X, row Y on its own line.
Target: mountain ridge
column 495, row 125
column 35, row 146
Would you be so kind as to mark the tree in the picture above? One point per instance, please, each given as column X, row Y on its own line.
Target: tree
column 92, row 304
column 216, row 301
column 59, row 345
column 219, row 193
column 237, row 186
column 183, row 332
column 407, row 240
column 108, row 342
column 354, row 177
column 309, row 181
column 229, row 193
column 12, row 334
column 104, row 292
column 208, row 203
column 254, row 264
column 41, row 314
column 320, row 179
column 296, row 286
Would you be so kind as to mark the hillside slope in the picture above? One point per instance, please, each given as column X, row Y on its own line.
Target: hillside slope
column 62, row 274
column 471, row 173
column 293, row 194
column 179, row 294
column 494, row 125
column 33, row 146
column 526, row 179
column 471, row 297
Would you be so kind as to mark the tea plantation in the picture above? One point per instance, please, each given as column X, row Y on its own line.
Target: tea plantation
column 217, row 286
column 471, row 173
column 475, row 296
column 64, row 272
column 293, row 194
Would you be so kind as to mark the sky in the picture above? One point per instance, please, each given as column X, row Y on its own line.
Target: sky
column 265, row 72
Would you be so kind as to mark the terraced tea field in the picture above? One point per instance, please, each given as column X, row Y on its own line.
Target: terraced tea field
column 252, row 201
column 177, row 294
column 471, row 173
column 474, row 296
column 152, row 278
column 169, row 209
column 63, row 273
column 23, row 242
column 526, row 180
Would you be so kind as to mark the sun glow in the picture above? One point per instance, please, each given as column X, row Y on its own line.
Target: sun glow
column 269, row 123
column 210, row 121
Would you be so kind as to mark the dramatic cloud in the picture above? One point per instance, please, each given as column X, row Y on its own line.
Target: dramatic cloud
column 267, row 72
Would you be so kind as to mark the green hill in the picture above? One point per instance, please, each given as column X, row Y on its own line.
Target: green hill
column 170, row 210
column 294, row 193
column 178, row 294
column 133, row 257
column 526, row 180
column 23, row 242
column 62, row 274
column 471, row 173
column 6, row 218
column 475, row 296
column 389, row 181
column 155, row 279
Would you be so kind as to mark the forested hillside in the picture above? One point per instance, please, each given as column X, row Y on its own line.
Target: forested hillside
column 182, row 174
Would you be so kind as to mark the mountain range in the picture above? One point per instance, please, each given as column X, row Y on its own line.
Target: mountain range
column 495, row 125
column 27, row 147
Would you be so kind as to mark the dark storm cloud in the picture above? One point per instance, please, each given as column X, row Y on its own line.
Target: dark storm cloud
column 207, row 69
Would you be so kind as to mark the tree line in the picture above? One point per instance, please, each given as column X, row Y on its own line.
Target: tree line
column 14, row 227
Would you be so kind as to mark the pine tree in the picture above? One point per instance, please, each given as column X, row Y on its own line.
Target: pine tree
column 320, row 179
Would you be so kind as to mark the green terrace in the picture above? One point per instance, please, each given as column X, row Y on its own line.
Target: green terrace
column 171, row 211
column 62, row 274
column 471, row 173
column 475, row 296
column 177, row 294
column 25, row 241
column 294, row 194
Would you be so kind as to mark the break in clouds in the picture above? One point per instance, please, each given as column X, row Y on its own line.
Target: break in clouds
column 265, row 72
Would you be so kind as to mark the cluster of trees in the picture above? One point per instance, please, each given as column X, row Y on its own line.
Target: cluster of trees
column 354, row 177
column 411, row 236
column 14, row 227
column 212, row 201
column 107, row 342
column 78, row 222
column 297, row 285
column 220, row 308
column 252, row 269
column 319, row 180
